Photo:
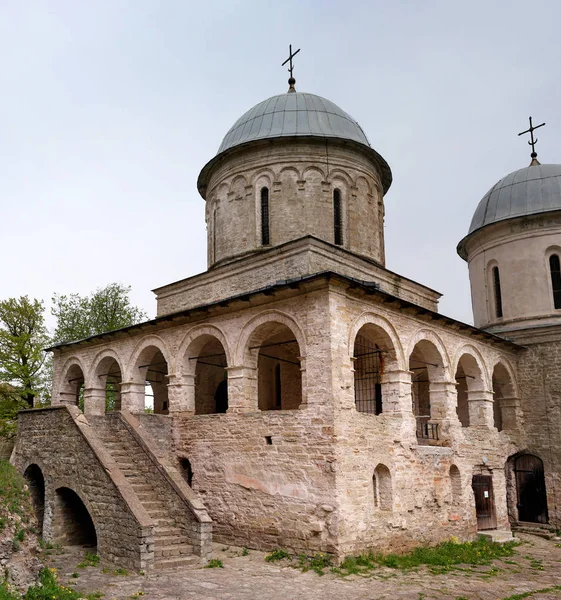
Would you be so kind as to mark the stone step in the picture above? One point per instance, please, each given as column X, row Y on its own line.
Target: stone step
column 177, row 562
column 501, row 536
column 168, row 541
column 546, row 535
column 172, row 551
column 168, row 530
column 153, row 504
column 157, row 513
column 141, row 488
column 148, row 497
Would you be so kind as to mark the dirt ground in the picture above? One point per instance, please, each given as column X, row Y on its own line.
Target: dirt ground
column 535, row 566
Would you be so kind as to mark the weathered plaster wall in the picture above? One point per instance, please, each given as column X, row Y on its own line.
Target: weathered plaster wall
column 539, row 378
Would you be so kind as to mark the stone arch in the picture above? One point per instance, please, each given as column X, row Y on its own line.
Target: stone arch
column 72, row 523
column 369, row 318
column 361, row 180
column 428, row 364
column 72, row 383
column 272, row 346
column 432, row 337
column 313, row 169
column 340, row 174
column 263, row 174
column 374, row 353
column 238, row 184
column 207, row 379
column 106, row 378
column 505, row 396
column 471, row 376
column 35, row 479
column 382, row 488
column 150, row 368
column 293, row 170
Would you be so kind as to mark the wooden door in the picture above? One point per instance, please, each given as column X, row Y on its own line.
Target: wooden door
column 530, row 489
column 484, row 504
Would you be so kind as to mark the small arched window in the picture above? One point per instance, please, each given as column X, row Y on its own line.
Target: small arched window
column 497, row 291
column 382, row 488
column 337, row 218
column 555, row 270
column 265, row 237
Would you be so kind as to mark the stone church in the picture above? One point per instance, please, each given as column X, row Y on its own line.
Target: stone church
column 304, row 396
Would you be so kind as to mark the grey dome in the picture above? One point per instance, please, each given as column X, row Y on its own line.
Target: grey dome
column 293, row 114
column 532, row 190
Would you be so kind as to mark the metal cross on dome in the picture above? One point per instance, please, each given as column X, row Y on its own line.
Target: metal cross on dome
column 289, row 60
column 532, row 141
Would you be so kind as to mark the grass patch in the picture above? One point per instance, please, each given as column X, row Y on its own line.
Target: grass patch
column 214, row 563
column 440, row 558
column 317, row 562
column 555, row 588
column 118, row 571
column 91, row 560
column 277, row 555
column 50, row 588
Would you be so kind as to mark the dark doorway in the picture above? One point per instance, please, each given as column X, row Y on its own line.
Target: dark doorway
column 484, row 503
column 72, row 523
column 530, row 489
column 36, row 482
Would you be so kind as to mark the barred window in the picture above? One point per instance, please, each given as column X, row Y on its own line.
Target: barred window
column 555, row 270
column 337, row 220
column 265, row 237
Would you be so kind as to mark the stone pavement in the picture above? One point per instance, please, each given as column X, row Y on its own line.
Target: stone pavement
column 536, row 565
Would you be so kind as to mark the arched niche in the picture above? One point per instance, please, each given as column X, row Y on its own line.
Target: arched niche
column 382, row 488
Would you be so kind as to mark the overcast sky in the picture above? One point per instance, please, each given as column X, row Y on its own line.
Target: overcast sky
column 110, row 108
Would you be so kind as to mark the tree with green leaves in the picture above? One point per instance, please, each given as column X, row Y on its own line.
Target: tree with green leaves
column 104, row 310
column 23, row 336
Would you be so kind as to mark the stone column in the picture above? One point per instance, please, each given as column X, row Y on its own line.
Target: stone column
column 242, row 389
column 443, row 401
column 397, row 401
column 480, row 404
column 94, row 401
column 181, row 393
column 132, row 397
column 509, row 412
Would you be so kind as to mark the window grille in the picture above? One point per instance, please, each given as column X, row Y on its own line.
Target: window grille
column 368, row 372
column 498, row 297
column 337, row 218
column 265, row 237
column 555, row 269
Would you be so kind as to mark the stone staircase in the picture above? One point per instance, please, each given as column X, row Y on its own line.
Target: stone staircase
column 539, row 529
column 171, row 545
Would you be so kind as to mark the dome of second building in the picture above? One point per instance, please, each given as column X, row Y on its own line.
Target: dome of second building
column 293, row 114
column 532, row 190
